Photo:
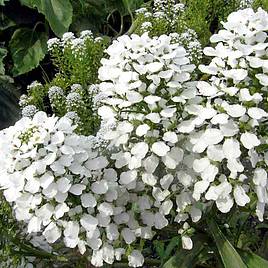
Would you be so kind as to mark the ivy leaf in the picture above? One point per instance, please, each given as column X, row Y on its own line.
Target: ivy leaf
column 27, row 48
column 229, row 256
column 3, row 53
column 58, row 13
column 2, row 2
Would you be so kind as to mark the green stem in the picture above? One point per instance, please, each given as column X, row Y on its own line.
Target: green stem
column 132, row 28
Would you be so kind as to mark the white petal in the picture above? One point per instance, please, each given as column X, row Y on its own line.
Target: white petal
column 142, row 130
column 160, row 148
column 206, row 89
column 187, row 242
column 249, row 140
column 89, row 222
column 241, row 198
column 77, row 189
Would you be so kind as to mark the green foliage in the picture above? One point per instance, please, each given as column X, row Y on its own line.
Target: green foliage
column 58, row 13
column 2, row 2
column 187, row 258
column 229, row 256
column 260, row 3
column 9, row 109
column 3, row 53
column 252, row 260
column 27, row 48
column 79, row 67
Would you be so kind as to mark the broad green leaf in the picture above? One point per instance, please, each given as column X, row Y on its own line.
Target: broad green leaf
column 229, row 256
column 2, row 2
column 3, row 53
column 27, row 49
column 252, row 260
column 187, row 258
column 58, row 13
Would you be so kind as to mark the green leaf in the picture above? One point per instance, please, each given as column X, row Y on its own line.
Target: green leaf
column 160, row 248
column 174, row 242
column 5, row 22
column 2, row 2
column 187, row 258
column 229, row 256
column 58, row 13
column 3, row 53
column 252, row 260
column 27, row 48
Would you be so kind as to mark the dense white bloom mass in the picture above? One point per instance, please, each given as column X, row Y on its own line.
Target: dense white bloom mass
column 147, row 85
column 173, row 146
column 58, row 184
column 235, row 104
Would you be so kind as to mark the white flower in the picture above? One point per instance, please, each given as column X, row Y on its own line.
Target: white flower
column 256, row 113
column 108, row 253
column 128, row 177
column 231, row 148
column 52, row 233
column 99, row 187
column 160, row 148
column 77, row 189
column 249, row 140
column 263, row 79
column 187, row 242
column 206, row 89
column 135, row 259
column 142, row 130
column 128, row 235
column 34, row 225
column 89, row 222
column 88, row 200
column 240, row 196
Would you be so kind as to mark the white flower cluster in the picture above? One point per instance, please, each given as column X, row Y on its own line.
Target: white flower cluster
column 167, row 9
column 170, row 15
column 76, row 44
column 228, row 127
column 147, row 83
column 62, row 189
column 29, row 111
column 245, row 3
column 56, row 182
column 189, row 40
column 173, row 146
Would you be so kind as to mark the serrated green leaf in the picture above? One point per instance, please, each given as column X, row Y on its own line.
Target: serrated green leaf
column 58, row 13
column 229, row 256
column 188, row 258
column 27, row 49
column 252, row 260
column 3, row 53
